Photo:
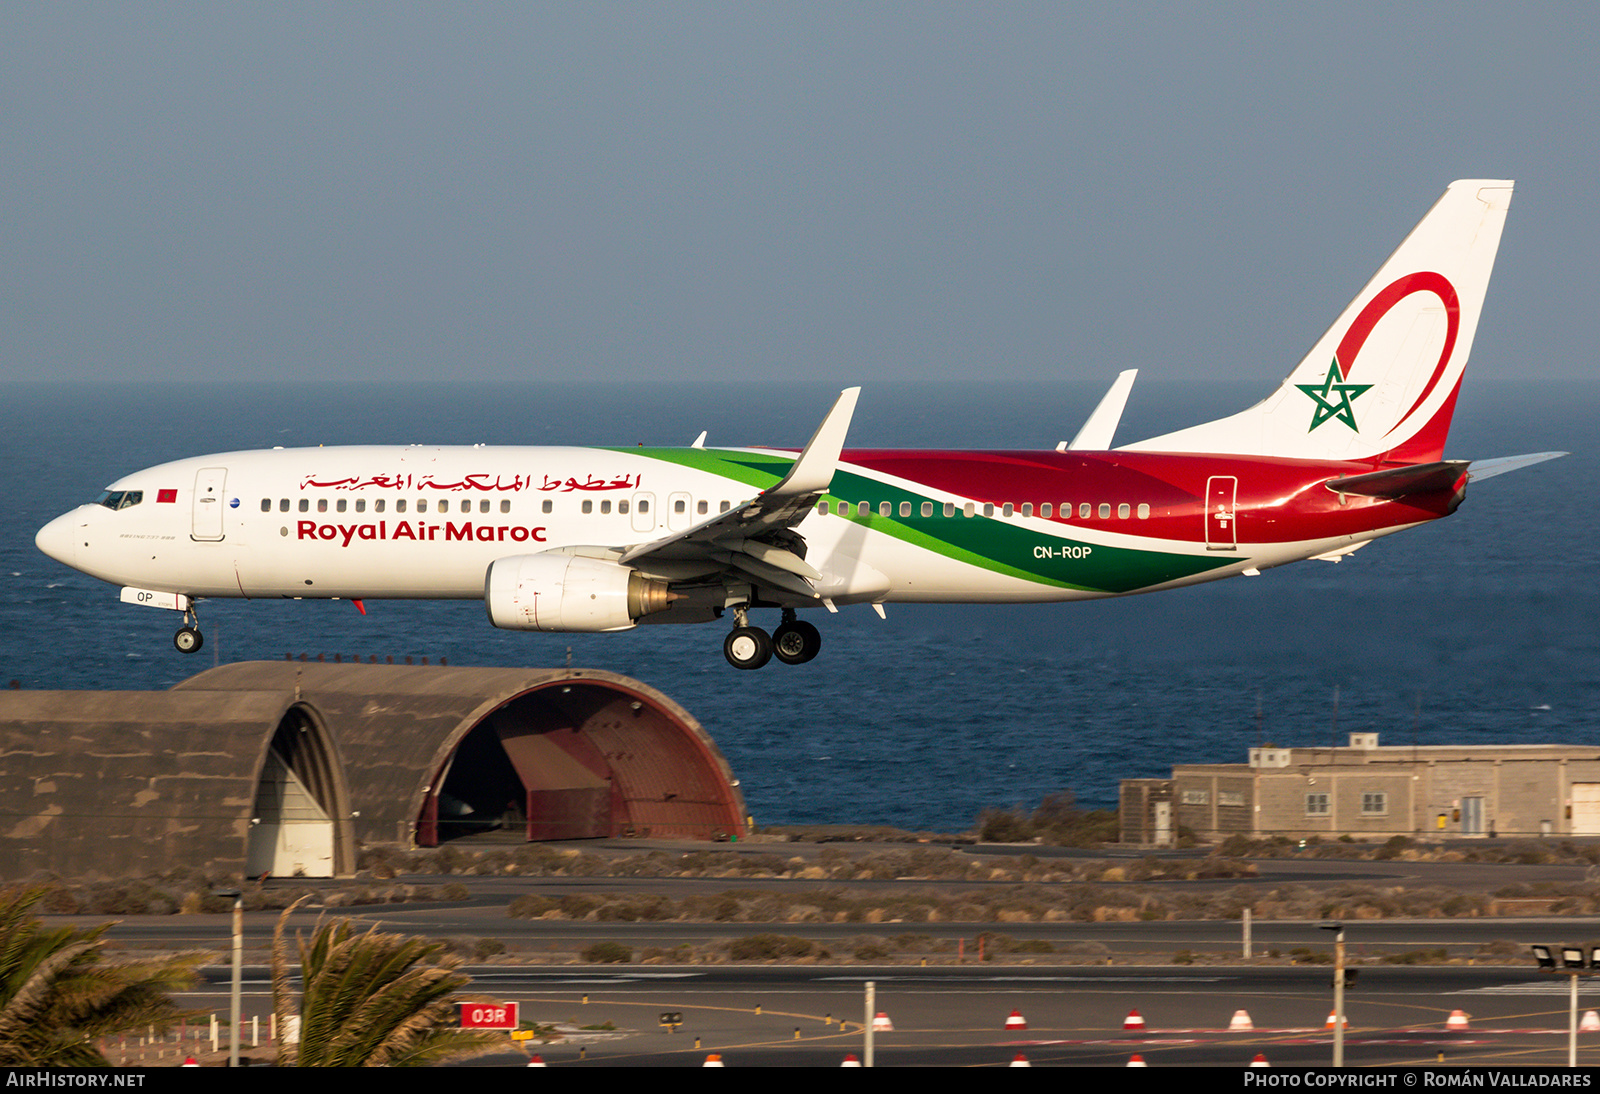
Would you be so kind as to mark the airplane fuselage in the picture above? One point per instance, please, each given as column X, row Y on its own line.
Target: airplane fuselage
column 895, row 525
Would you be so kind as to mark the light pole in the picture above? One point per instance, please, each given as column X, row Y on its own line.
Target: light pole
column 1340, row 977
column 238, row 972
column 1573, row 963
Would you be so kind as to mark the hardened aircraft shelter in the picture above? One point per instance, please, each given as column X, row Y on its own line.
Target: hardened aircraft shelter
column 290, row 767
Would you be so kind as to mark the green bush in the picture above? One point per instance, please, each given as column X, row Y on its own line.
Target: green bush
column 607, row 953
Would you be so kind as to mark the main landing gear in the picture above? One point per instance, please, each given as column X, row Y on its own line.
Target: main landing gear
column 189, row 639
column 794, row 642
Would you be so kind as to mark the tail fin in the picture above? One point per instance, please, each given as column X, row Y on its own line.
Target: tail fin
column 1382, row 382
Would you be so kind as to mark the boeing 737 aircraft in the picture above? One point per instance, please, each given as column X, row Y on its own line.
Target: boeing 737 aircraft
column 1350, row 447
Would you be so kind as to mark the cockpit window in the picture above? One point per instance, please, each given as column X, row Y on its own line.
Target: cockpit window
column 120, row 499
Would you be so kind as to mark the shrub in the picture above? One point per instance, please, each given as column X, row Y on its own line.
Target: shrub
column 769, row 947
column 607, row 953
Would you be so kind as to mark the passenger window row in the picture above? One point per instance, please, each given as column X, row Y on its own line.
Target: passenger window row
column 359, row 505
column 1086, row 510
column 442, row 505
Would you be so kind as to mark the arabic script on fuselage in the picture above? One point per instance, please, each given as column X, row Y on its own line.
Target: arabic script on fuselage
column 485, row 482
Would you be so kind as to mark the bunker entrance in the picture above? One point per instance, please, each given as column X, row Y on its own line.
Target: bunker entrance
column 293, row 831
column 580, row 761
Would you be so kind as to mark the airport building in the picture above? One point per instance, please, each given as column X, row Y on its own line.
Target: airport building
column 290, row 767
column 1373, row 791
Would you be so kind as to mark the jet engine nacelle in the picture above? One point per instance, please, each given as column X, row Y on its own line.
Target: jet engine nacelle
column 556, row 592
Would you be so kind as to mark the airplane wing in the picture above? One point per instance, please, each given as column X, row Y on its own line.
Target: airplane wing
column 756, row 537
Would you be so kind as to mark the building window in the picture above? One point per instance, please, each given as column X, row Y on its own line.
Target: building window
column 1317, row 805
column 1375, row 804
column 1196, row 797
column 1230, row 797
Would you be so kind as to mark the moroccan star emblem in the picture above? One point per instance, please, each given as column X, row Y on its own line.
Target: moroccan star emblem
column 1333, row 398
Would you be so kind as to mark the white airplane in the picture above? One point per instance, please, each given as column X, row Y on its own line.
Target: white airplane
column 1348, row 448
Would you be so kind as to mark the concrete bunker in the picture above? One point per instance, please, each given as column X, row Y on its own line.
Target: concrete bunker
column 290, row 767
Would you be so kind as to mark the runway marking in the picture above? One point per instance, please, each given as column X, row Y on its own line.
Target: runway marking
column 1536, row 987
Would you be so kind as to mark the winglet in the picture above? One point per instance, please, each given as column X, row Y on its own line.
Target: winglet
column 700, row 441
column 812, row 470
column 1096, row 434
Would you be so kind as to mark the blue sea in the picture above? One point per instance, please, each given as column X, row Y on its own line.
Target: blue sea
column 1481, row 628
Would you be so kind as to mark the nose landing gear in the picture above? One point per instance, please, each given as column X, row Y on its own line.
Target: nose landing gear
column 189, row 639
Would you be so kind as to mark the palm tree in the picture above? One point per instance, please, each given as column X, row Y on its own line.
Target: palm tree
column 370, row 1000
column 57, row 994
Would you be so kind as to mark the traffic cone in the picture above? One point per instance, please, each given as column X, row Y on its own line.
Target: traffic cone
column 189, row 1061
column 714, row 1060
column 536, row 1061
column 1019, row 1060
column 1134, row 1020
column 1015, row 1020
column 1333, row 1020
column 1136, row 1061
column 1457, row 1020
column 851, row 1061
column 881, row 1023
column 1240, row 1022
column 1260, row 1060
column 1591, row 1021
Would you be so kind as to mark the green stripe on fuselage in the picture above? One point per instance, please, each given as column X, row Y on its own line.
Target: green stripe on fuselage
column 992, row 543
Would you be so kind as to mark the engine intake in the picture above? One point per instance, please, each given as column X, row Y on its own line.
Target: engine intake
column 554, row 592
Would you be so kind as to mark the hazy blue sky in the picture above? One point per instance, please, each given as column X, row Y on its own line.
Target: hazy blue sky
column 751, row 191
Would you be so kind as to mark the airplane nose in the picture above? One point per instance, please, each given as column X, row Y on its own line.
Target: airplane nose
column 59, row 538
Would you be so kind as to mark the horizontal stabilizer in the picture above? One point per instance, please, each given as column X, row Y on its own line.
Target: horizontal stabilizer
column 1096, row 434
column 1488, row 469
column 1397, row 482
